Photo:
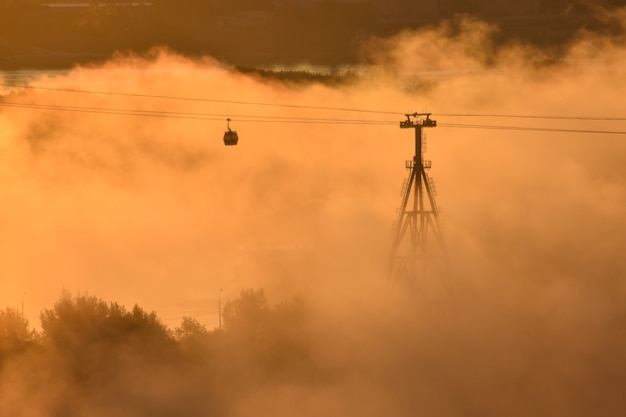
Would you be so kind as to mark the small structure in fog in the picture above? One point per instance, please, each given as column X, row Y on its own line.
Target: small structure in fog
column 230, row 136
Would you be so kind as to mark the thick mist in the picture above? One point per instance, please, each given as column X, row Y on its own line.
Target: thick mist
column 156, row 211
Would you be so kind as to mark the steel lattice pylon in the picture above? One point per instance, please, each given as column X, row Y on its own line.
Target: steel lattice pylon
column 412, row 252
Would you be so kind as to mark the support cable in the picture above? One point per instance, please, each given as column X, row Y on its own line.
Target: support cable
column 209, row 100
column 346, row 109
column 251, row 118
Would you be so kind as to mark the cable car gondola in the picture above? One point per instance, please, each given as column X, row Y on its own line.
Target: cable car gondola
column 230, row 136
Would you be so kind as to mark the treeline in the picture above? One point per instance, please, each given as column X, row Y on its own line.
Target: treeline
column 93, row 357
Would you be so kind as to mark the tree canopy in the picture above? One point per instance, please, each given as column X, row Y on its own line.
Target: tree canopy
column 15, row 331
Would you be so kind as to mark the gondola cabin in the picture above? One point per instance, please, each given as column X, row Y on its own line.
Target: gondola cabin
column 230, row 136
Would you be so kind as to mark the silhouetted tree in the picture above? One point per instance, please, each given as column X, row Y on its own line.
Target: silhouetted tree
column 248, row 313
column 85, row 319
column 15, row 331
column 92, row 337
column 110, row 355
column 263, row 343
column 190, row 328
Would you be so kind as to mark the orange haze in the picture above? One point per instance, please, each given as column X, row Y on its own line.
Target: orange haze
column 156, row 211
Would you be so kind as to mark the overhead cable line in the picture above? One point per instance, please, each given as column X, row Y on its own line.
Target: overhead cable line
column 288, row 120
column 106, row 111
column 209, row 100
column 195, row 116
column 532, row 129
column 285, row 119
column 531, row 116
column 297, row 106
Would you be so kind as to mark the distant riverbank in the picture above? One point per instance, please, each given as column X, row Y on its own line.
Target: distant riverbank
column 298, row 72
column 63, row 37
